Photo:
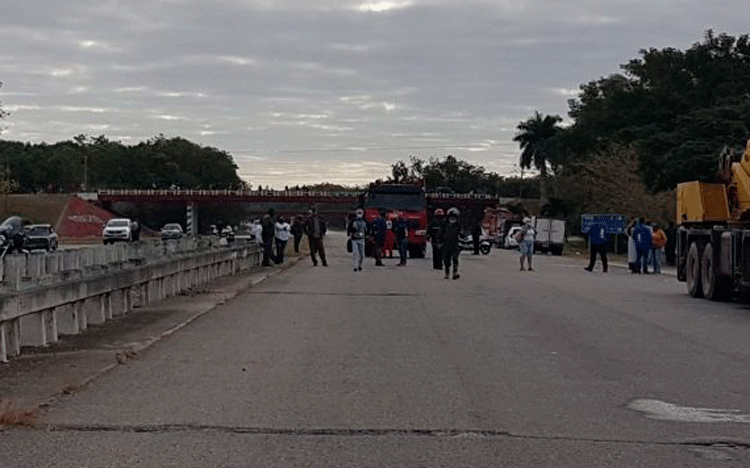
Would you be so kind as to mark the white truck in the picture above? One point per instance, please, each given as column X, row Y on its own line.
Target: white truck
column 550, row 235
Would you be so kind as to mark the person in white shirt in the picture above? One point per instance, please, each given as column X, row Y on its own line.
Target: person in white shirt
column 526, row 244
column 283, row 232
column 257, row 231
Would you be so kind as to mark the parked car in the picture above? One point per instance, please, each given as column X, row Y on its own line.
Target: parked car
column 510, row 239
column 172, row 231
column 40, row 236
column 118, row 229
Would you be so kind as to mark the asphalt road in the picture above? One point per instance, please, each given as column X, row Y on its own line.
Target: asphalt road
column 395, row 366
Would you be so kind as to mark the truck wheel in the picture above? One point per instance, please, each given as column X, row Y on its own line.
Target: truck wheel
column 693, row 268
column 715, row 288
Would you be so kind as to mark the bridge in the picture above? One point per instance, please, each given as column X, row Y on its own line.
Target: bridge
column 336, row 202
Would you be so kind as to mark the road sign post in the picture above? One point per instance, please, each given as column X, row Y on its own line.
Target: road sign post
column 613, row 224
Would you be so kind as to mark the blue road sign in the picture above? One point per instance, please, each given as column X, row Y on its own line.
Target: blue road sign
column 613, row 223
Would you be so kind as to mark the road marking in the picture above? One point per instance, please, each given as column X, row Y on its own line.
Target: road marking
column 663, row 411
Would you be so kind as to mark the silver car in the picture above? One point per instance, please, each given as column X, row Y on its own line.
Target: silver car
column 171, row 231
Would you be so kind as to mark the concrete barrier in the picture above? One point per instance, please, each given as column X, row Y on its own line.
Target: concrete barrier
column 85, row 292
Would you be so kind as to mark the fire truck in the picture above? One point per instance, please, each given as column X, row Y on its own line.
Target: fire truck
column 405, row 200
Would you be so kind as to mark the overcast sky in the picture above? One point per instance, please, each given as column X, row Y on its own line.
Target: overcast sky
column 324, row 90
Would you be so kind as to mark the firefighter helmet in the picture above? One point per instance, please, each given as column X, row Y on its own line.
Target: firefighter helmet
column 439, row 212
column 454, row 212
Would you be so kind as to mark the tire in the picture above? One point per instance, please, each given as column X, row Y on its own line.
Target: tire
column 106, row 242
column 693, row 270
column 557, row 250
column 416, row 252
column 715, row 288
column 485, row 249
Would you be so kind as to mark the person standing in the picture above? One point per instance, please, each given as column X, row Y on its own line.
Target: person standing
column 297, row 232
column 658, row 241
column 450, row 236
column 283, row 232
column 357, row 230
column 527, row 234
column 380, row 228
column 631, row 244
column 670, row 247
column 435, row 235
column 315, row 228
column 268, row 232
column 642, row 238
column 476, row 233
column 402, row 240
column 390, row 240
column 598, row 240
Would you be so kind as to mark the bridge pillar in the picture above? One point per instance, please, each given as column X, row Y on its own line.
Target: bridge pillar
column 191, row 223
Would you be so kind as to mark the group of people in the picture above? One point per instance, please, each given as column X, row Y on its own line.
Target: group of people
column 648, row 246
column 443, row 233
column 273, row 234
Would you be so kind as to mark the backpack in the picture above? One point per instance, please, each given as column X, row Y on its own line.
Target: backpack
column 521, row 234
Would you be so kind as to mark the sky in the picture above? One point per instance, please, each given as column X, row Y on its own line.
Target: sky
column 302, row 92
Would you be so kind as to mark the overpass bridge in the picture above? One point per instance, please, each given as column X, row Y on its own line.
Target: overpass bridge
column 336, row 202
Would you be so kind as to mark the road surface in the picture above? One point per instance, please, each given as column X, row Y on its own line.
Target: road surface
column 396, row 366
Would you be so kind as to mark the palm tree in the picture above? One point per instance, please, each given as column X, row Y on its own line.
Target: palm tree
column 535, row 137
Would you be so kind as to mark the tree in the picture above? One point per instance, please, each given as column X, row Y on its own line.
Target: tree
column 536, row 138
column 3, row 112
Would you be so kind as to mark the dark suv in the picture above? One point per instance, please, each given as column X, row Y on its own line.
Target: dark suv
column 40, row 236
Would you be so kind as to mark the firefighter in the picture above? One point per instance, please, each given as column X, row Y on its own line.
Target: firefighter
column 451, row 233
column 435, row 234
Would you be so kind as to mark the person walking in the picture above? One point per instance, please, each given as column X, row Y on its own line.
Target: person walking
column 449, row 240
column 283, row 232
column 435, row 235
column 527, row 235
column 400, row 231
column 658, row 241
column 598, row 241
column 315, row 228
column 642, row 238
column 380, row 227
column 268, row 225
column 297, row 231
column 357, row 230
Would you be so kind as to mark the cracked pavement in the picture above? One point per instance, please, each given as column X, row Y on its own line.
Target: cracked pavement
column 399, row 367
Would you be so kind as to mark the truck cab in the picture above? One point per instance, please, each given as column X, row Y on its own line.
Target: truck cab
column 405, row 200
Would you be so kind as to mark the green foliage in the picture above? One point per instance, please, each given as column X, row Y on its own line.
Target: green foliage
column 536, row 137
column 98, row 163
column 454, row 175
column 676, row 109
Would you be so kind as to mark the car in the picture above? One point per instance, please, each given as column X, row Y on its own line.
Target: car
column 118, row 229
column 40, row 236
column 172, row 231
column 510, row 240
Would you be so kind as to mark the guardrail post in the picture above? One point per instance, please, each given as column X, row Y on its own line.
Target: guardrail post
column 10, row 339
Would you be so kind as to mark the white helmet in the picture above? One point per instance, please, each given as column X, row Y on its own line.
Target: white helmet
column 454, row 212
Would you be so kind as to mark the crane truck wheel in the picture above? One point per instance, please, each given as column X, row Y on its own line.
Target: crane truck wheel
column 715, row 288
column 693, row 270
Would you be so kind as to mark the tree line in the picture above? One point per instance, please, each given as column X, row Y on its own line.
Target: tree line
column 91, row 163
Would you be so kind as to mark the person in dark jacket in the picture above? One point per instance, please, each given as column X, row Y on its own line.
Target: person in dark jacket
column 268, row 223
column 315, row 228
column 476, row 233
column 297, row 232
column 451, row 233
column 598, row 240
column 642, row 238
column 436, row 237
column 380, row 225
column 400, row 230
column 669, row 249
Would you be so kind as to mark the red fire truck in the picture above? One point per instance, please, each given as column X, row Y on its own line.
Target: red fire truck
column 405, row 200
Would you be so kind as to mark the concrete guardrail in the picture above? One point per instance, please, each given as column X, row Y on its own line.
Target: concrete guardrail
column 46, row 295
